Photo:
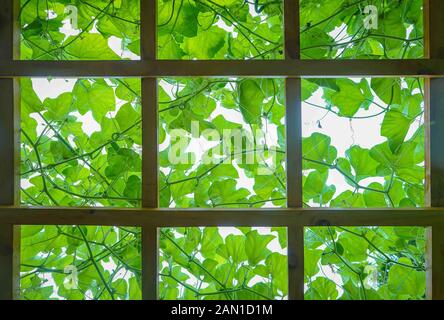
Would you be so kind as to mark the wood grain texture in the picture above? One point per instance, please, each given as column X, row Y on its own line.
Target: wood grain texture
column 9, row 154
column 296, row 263
column 224, row 68
column 9, row 131
column 219, row 217
column 149, row 263
column 6, row 262
column 292, row 29
column 150, row 144
column 437, row 249
column 149, row 150
column 436, row 88
column 294, row 142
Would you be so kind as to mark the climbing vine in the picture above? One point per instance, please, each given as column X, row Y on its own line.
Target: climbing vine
column 204, row 113
column 387, row 171
column 351, row 263
column 220, row 29
column 223, row 263
column 363, row 146
column 362, row 29
column 222, row 144
column 79, row 29
column 83, row 146
column 78, row 263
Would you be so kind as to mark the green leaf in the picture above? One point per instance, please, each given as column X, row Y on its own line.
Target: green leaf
column 97, row 97
column 375, row 199
column 256, row 247
column 251, row 98
column 89, row 46
column 206, row 44
column 363, row 164
column 349, row 99
column 321, row 289
column 395, row 127
column 387, row 89
column 58, row 108
column 234, row 248
column 311, row 261
column 405, row 281
column 133, row 188
column 318, row 152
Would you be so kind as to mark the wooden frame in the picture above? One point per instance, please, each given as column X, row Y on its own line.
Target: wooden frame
column 150, row 217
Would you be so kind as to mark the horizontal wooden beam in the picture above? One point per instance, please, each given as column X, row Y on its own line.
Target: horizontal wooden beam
column 224, row 68
column 218, row 217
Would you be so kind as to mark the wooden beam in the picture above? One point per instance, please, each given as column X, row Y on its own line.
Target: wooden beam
column 292, row 29
column 150, row 143
column 436, row 26
column 149, row 263
column 219, row 217
column 9, row 190
column 426, row 26
column 436, row 263
column 224, row 68
column 427, row 155
column 9, row 155
column 150, row 197
column 148, row 30
column 294, row 142
column 429, row 263
column 295, row 234
column 149, row 186
column 8, row 143
column 436, row 51
column 296, row 263
column 437, row 141
column 9, row 262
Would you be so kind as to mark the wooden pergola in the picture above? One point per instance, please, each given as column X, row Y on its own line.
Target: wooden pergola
column 150, row 217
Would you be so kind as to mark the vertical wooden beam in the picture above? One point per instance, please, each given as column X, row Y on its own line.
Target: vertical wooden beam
column 8, row 143
column 9, row 155
column 148, row 29
column 294, row 152
column 149, row 263
column 9, row 234
column 149, row 186
column 429, row 263
column 437, row 185
column 150, row 143
column 296, row 263
column 150, row 196
column 427, row 142
column 292, row 29
column 294, row 187
column 436, row 26
column 294, row 142
column 427, row 188
column 9, row 262
column 436, row 251
column 436, row 51
column 426, row 23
